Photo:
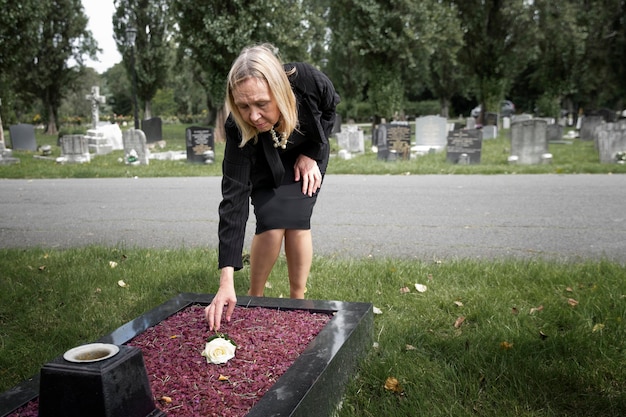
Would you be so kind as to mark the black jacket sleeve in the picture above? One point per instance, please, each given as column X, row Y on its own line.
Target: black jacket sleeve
column 234, row 208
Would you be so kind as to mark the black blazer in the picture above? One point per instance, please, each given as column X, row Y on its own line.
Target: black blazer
column 258, row 164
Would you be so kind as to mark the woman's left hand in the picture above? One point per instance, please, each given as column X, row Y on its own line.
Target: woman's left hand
column 308, row 170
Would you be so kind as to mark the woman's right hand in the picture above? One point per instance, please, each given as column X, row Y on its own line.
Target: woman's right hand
column 225, row 297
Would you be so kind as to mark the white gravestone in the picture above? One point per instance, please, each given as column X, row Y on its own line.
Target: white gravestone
column 529, row 143
column 136, row 148
column 431, row 132
column 74, row 149
column 351, row 139
column 611, row 139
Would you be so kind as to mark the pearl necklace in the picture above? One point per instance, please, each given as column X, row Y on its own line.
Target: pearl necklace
column 279, row 142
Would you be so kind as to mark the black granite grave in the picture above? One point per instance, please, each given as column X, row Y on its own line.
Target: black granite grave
column 199, row 141
column 23, row 137
column 153, row 128
column 312, row 386
column 464, row 146
column 399, row 140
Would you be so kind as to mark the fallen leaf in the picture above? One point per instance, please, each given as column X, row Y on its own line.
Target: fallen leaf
column 375, row 345
column 536, row 309
column 112, row 264
column 459, row 321
column 598, row 327
column 377, row 310
column 420, row 287
column 515, row 311
column 392, row 384
column 542, row 335
column 506, row 345
column 223, row 378
column 458, row 304
column 572, row 302
column 268, row 284
column 122, row 284
column 430, row 277
column 404, row 290
column 98, row 290
column 166, row 399
column 410, row 347
column 174, row 336
column 569, row 289
column 42, row 268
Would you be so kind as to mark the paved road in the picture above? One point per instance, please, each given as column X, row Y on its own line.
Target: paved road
column 431, row 217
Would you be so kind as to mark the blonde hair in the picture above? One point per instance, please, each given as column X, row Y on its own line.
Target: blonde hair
column 260, row 62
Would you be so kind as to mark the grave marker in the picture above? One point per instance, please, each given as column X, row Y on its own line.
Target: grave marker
column 153, row 128
column 23, row 137
column 95, row 99
column 464, row 146
column 430, row 133
column 74, row 149
column 135, row 147
column 611, row 139
column 529, row 145
column 398, row 136
column 200, row 140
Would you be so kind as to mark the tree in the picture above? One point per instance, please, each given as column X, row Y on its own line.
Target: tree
column 62, row 35
column 213, row 32
column 153, row 21
column 498, row 39
column 385, row 46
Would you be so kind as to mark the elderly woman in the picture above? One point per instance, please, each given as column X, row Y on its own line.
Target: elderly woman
column 276, row 155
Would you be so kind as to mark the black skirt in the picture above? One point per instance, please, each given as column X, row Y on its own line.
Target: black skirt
column 285, row 207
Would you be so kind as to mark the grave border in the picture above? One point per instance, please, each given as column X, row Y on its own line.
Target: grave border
column 323, row 367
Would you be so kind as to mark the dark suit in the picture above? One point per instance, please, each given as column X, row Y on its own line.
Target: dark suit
column 259, row 165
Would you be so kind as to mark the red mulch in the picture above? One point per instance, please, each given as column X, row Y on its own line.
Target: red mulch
column 268, row 341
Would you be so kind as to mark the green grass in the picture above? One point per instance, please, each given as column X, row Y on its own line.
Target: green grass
column 576, row 158
column 563, row 360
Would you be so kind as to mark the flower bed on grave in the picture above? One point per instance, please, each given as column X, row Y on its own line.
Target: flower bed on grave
column 269, row 340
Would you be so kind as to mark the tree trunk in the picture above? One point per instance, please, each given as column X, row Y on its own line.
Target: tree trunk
column 147, row 110
column 52, row 122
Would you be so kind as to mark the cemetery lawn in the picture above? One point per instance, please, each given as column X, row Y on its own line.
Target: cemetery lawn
column 486, row 338
column 579, row 157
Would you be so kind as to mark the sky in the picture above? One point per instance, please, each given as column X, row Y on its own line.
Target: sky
column 100, row 13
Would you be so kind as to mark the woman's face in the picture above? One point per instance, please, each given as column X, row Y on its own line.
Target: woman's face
column 256, row 104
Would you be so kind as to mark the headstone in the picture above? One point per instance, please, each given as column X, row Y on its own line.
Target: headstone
column 430, row 133
column 554, row 132
column 136, row 148
column 104, row 139
column 337, row 125
column 464, row 146
column 200, row 141
column 398, row 140
column 506, row 123
column 379, row 140
column 153, row 128
column 351, row 139
column 611, row 139
column 520, row 117
column 491, row 119
column 588, row 126
column 529, row 144
column 95, row 99
column 6, row 156
column 23, row 137
column 470, row 123
column 74, row 149
column 490, row 132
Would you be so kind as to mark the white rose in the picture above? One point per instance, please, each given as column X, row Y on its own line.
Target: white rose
column 219, row 350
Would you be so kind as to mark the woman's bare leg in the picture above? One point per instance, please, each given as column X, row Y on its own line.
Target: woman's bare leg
column 263, row 254
column 299, row 252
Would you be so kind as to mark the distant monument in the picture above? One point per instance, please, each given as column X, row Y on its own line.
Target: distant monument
column 96, row 99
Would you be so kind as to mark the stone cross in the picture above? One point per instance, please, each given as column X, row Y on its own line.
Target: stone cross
column 95, row 98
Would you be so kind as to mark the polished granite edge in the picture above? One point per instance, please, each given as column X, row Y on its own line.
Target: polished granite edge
column 315, row 380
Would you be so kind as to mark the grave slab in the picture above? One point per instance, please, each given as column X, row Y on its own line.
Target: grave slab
column 23, row 137
column 313, row 385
